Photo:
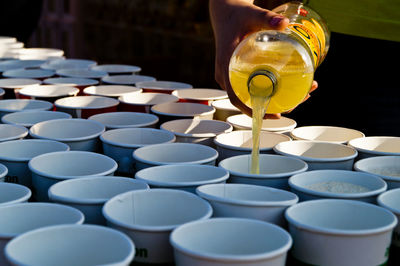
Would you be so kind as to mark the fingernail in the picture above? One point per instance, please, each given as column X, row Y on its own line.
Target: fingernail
column 275, row 21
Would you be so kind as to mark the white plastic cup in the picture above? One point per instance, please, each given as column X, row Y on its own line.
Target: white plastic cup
column 68, row 63
column 86, row 106
column 28, row 119
column 125, row 79
column 248, row 201
column 12, row 132
column 376, row 146
column 71, row 245
column 182, row 176
column 300, row 184
column 88, row 194
column 117, row 69
column 319, row 155
column 162, row 86
column 240, row 142
column 340, row 232
column 50, row 168
column 114, row 120
column 174, row 153
column 16, row 154
column 196, row 130
column 149, row 216
column 142, row 102
column 230, row 241
column 390, row 200
column 49, row 93
column 275, row 170
column 19, row 105
column 24, row 217
column 113, row 91
column 78, row 134
column 332, row 134
column 282, row 125
column 13, row 193
column 119, row 144
column 386, row 167
column 224, row 109
column 178, row 110
column 200, row 95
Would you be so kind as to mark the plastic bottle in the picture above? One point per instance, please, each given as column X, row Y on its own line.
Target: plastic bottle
column 280, row 64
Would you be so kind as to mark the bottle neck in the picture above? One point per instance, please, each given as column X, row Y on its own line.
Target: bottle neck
column 262, row 83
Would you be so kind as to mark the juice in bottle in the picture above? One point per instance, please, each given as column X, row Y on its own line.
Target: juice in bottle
column 272, row 71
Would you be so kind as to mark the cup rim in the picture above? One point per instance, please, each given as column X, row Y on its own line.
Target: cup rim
column 23, row 198
column 62, row 177
column 84, row 201
column 154, row 120
column 45, row 105
column 26, row 159
column 373, row 152
column 205, row 113
column 69, row 81
column 251, row 203
column 78, row 213
column 377, row 158
column 73, row 120
column 5, row 118
column 22, row 134
column 276, row 148
column 295, row 136
column 201, row 161
column 133, row 129
column 111, row 102
column 265, row 176
column 196, row 135
column 3, row 170
column 166, row 184
column 333, row 231
column 213, row 94
column 153, row 228
column 326, row 194
column 381, row 201
column 239, row 148
column 122, row 236
column 230, row 257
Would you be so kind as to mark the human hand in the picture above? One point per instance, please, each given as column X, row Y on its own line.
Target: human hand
column 232, row 21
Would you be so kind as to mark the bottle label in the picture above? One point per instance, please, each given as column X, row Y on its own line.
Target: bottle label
column 308, row 34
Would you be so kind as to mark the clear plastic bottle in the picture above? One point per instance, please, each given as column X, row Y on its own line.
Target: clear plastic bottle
column 280, row 65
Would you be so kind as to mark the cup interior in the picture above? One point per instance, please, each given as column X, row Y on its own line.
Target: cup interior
column 13, row 193
column 67, row 129
column 325, row 133
column 231, row 238
column 182, row 109
column 28, row 119
column 390, row 200
column 12, row 105
column 86, row 102
column 155, row 208
column 387, row 167
column 147, row 98
column 196, row 127
column 244, row 194
column 136, row 137
column 377, row 145
column 183, row 175
column 93, row 189
column 79, row 241
column 125, row 119
column 72, row 164
column 183, row 153
column 26, row 149
column 317, row 150
column 243, row 140
column 332, row 215
column 24, row 217
column 9, row 132
column 270, row 165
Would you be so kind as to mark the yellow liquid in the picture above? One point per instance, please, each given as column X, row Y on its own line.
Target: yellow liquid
column 294, row 80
